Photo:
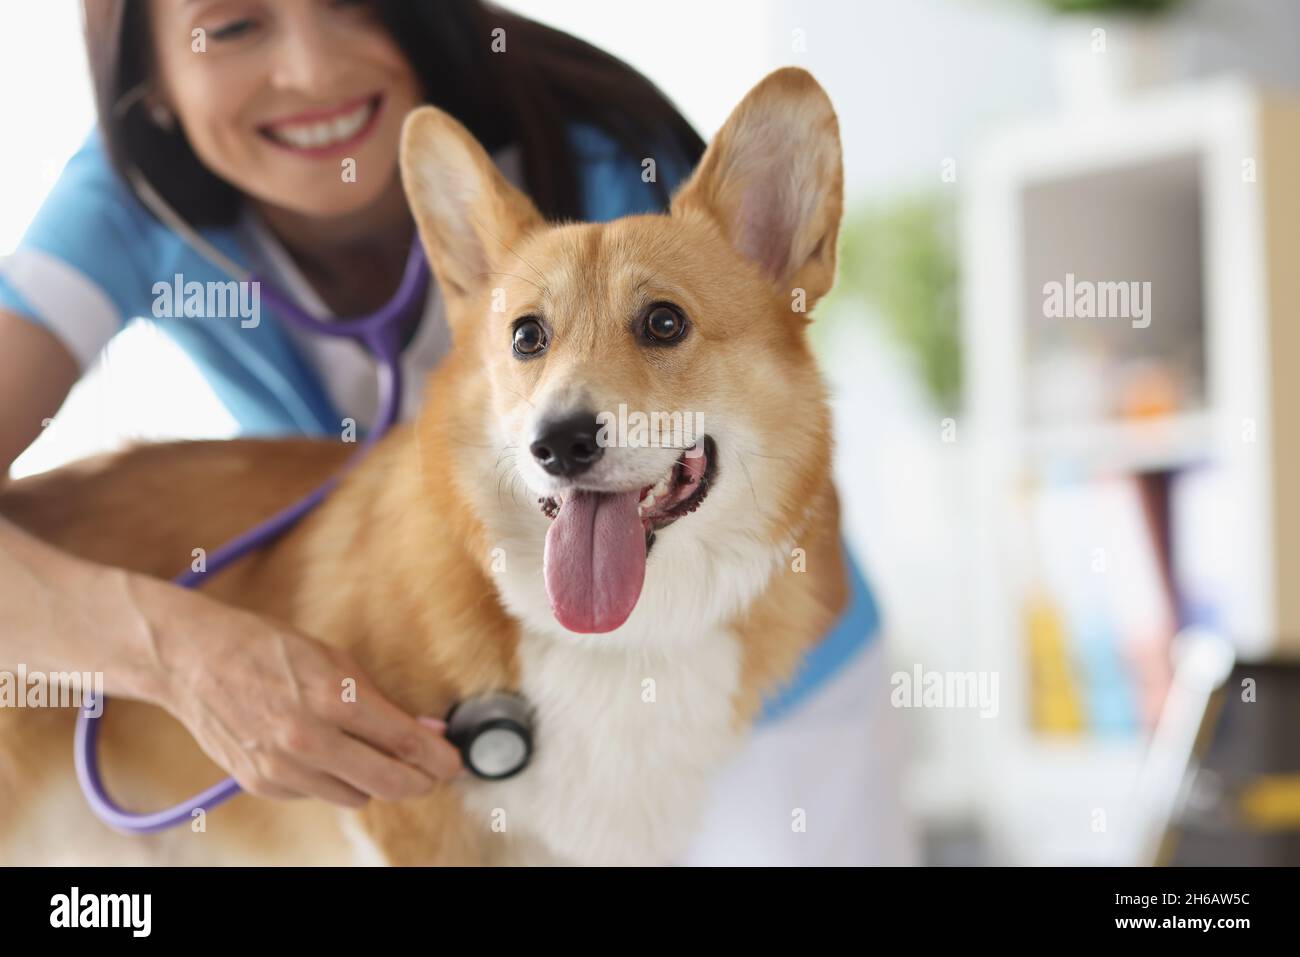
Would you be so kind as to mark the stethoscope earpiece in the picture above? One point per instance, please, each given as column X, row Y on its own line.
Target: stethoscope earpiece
column 494, row 734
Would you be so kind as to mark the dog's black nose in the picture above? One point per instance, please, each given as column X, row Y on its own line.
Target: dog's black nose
column 568, row 447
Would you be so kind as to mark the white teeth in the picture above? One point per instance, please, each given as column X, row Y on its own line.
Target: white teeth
column 659, row 491
column 306, row 136
column 344, row 128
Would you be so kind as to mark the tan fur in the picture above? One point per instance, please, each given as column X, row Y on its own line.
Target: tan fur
column 396, row 565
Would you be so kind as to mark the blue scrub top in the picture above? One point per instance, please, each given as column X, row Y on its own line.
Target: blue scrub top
column 93, row 236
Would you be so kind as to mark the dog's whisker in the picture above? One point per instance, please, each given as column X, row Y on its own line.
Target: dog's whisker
column 740, row 457
column 515, row 392
column 514, row 478
column 778, row 458
column 539, row 287
column 500, row 478
column 513, row 252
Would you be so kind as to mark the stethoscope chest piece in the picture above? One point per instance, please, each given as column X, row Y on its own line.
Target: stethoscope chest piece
column 493, row 733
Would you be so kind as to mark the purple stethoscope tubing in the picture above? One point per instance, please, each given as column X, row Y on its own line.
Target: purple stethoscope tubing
column 381, row 332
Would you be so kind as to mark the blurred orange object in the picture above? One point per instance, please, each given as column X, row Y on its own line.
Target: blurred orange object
column 1149, row 390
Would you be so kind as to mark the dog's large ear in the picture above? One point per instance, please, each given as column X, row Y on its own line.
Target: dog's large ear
column 773, row 179
column 465, row 209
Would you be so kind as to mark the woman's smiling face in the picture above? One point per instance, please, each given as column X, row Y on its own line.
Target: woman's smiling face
column 296, row 103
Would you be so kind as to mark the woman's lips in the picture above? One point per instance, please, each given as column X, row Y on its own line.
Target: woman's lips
column 326, row 132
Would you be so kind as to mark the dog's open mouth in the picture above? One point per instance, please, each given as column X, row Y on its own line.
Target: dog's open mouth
column 597, row 544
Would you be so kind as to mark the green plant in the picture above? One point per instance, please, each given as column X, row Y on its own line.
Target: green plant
column 1111, row 6
column 900, row 257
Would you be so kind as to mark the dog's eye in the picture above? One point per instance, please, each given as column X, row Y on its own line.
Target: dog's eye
column 529, row 337
column 664, row 324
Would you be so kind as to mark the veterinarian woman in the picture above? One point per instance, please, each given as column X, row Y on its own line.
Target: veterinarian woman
column 236, row 113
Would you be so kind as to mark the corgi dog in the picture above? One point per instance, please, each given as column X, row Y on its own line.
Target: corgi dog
column 641, row 591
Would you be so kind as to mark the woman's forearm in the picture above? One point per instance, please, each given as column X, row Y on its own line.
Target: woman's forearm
column 262, row 700
column 59, row 613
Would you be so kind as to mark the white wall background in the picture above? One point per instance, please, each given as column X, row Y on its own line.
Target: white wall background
column 45, row 103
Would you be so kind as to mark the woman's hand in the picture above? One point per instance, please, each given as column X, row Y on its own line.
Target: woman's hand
column 268, row 705
column 264, row 702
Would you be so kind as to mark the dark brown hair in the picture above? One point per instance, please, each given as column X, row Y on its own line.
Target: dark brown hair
column 529, row 95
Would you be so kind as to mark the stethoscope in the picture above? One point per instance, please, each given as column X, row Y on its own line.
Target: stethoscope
column 492, row 731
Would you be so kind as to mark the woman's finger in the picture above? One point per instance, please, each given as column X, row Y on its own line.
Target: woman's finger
column 295, row 779
column 387, row 727
column 367, row 770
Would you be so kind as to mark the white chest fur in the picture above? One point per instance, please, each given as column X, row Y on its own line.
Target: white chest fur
column 627, row 745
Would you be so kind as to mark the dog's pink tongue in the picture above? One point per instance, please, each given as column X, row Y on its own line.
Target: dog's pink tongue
column 595, row 561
